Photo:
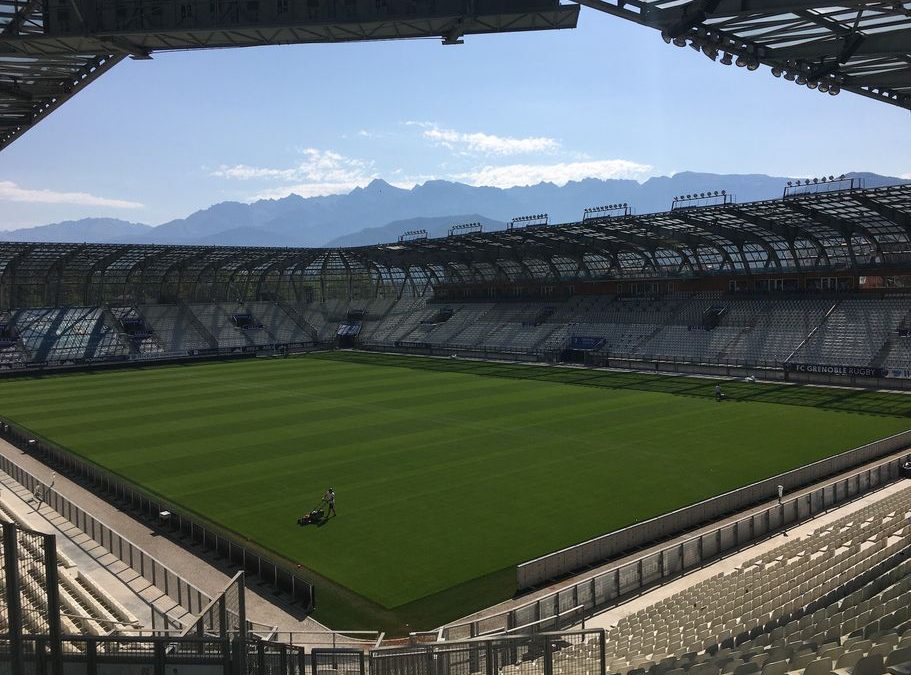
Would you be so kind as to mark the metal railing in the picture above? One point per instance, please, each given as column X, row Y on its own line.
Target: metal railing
column 601, row 549
column 603, row 589
column 123, row 494
column 96, row 655
column 569, row 653
column 30, row 597
column 473, row 352
column 183, row 593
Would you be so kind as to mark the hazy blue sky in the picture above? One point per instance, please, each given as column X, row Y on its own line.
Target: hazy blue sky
column 155, row 140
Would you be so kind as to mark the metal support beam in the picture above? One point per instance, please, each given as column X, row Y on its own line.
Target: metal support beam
column 13, row 597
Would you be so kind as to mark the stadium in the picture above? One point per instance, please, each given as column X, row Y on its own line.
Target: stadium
column 665, row 443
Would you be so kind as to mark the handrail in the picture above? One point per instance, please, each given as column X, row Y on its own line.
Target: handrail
column 881, row 472
column 50, row 495
column 577, row 608
column 337, row 636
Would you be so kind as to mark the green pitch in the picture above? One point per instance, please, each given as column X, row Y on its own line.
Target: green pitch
column 448, row 473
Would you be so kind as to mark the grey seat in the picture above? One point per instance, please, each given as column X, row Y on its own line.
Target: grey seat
column 775, row 668
column 704, row 669
column 902, row 655
column 849, row 659
column 748, row 669
column 819, row 667
column 871, row 664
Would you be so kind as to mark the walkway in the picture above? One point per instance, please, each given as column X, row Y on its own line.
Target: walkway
column 262, row 606
column 728, row 564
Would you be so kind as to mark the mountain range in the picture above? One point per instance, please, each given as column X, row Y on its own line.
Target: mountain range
column 380, row 212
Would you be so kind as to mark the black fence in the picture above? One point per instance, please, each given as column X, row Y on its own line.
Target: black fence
column 225, row 616
column 165, row 516
column 180, row 591
column 31, row 595
column 94, row 655
column 566, row 653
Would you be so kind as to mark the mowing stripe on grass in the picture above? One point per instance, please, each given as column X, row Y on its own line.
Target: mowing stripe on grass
column 448, row 473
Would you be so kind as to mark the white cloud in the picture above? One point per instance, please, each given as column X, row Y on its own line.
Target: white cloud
column 321, row 172
column 487, row 144
column 511, row 175
column 11, row 192
column 906, row 176
column 308, row 190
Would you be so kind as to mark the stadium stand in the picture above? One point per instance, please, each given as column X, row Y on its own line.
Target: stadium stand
column 707, row 286
column 86, row 608
column 277, row 324
column 12, row 351
column 859, row 329
column 325, row 317
column 898, row 353
column 855, row 331
column 796, row 593
column 837, row 600
column 142, row 339
column 403, row 316
column 67, row 334
column 852, row 329
column 174, row 326
column 755, row 330
column 216, row 319
column 774, row 329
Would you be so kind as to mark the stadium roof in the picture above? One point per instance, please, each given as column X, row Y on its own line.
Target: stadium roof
column 52, row 49
column 839, row 230
column 855, row 45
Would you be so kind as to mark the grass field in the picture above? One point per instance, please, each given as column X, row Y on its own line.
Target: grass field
column 448, row 473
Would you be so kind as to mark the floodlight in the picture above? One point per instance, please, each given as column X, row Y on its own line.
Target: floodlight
column 776, row 71
column 753, row 65
column 679, row 41
column 726, row 59
column 741, row 61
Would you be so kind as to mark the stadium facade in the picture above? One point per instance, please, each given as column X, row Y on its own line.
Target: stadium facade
column 845, row 233
column 815, row 284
